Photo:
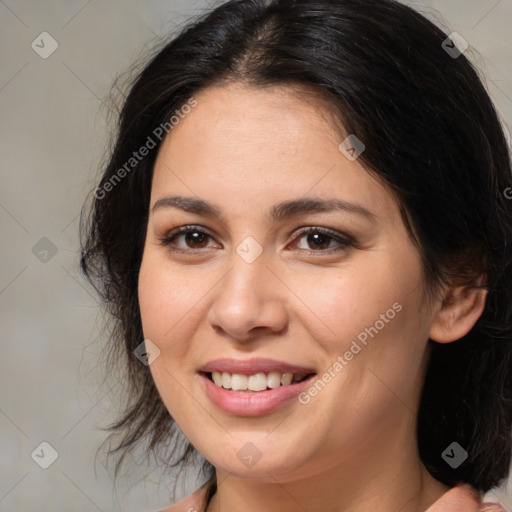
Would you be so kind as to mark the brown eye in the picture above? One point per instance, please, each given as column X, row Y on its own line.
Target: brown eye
column 319, row 240
column 194, row 238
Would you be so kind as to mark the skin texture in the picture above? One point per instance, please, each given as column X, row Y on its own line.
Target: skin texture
column 353, row 447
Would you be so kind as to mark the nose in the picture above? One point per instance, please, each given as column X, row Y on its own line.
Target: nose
column 250, row 302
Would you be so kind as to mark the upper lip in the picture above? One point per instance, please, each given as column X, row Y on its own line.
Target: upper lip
column 252, row 366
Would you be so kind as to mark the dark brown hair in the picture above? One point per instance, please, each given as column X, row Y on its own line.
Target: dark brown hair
column 431, row 134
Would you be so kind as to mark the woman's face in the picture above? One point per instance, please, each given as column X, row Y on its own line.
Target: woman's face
column 249, row 283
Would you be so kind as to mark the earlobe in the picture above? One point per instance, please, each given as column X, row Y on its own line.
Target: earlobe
column 461, row 308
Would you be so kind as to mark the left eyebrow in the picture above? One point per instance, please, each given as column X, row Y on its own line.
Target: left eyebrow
column 295, row 207
column 278, row 212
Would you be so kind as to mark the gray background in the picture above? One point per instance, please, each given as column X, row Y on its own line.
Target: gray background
column 53, row 134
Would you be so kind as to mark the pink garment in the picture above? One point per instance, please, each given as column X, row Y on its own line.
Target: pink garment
column 462, row 498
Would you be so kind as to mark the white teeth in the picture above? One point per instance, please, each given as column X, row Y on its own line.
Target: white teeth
column 274, row 380
column 256, row 382
column 226, row 380
column 286, row 379
column 238, row 381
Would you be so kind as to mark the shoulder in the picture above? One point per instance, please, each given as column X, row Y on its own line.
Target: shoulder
column 491, row 507
column 193, row 502
column 463, row 498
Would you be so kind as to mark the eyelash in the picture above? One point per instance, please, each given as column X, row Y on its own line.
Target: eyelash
column 343, row 241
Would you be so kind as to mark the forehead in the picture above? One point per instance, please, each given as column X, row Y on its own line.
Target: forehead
column 261, row 143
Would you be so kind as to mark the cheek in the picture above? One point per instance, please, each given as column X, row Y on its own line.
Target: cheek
column 348, row 300
column 165, row 296
column 166, row 301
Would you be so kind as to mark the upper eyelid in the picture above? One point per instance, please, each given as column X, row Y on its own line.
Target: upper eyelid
column 334, row 234
column 190, row 227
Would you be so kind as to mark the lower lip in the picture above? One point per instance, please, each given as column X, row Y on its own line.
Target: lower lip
column 253, row 403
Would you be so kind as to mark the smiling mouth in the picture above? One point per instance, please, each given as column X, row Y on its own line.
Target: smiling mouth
column 256, row 382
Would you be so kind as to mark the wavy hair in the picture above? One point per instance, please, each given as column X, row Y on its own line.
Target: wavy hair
column 432, row 135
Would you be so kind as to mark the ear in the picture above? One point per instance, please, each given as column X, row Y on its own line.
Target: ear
column 460, row 310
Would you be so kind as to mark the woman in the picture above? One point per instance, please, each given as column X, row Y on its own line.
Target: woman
column 305, row 242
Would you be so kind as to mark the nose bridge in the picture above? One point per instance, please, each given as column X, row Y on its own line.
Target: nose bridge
column 247, row 296
column 249, row 250
column 248, row 276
